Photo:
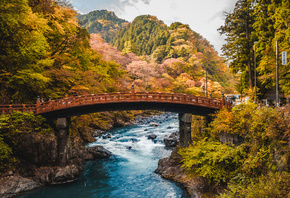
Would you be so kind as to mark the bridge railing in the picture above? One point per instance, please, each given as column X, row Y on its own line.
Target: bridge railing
column 6, row 109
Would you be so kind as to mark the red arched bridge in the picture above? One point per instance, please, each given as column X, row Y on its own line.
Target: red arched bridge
column 78, row 105
column 63, row 109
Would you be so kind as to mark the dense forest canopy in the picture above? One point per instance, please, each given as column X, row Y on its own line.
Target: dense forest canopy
column 258, row 24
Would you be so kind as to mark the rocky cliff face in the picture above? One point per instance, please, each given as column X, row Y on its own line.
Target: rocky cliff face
column 39, row 163
column 170, row 168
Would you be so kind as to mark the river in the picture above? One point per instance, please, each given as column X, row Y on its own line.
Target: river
column 129, row 173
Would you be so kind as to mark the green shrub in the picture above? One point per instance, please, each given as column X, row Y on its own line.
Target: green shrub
column 212, row 160
column 273, row 185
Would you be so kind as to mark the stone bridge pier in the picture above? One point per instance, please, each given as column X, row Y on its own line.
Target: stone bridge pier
column 62, row 125
column 185, row 120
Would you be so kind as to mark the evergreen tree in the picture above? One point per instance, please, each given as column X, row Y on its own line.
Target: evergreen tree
column 238, row 28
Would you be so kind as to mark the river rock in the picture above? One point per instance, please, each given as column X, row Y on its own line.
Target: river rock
column 152, row 136
column 99, row 152
column 44, row 175
column 172, row 140
column 106, row 136
column 153, row 124
column 66, row 174
column 134, row 140
column 15, row 184
column 97, row 133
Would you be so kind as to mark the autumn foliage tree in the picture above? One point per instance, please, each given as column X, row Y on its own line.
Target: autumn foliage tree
column 45, row 52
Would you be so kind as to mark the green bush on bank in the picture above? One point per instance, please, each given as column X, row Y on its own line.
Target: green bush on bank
column 263, row 154
column 274, row 185
column 213, row 160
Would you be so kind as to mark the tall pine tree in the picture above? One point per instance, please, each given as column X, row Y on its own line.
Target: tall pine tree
column 238, row 29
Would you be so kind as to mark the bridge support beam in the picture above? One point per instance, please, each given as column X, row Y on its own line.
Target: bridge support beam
column 62, row 136
column 185, row 120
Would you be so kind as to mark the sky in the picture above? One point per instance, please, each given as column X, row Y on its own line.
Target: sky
column 203, row 16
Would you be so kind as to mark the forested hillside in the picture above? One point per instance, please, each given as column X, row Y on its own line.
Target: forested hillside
column 173, row 59
column 142, row 36
column 102, row 22
column 44, row 52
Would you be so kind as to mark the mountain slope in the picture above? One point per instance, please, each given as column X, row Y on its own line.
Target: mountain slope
column 148, row 36
column 171, row 59
column 143, row 35
column 102, row 22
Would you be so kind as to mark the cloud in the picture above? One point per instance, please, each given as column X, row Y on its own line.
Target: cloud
column 146, row 1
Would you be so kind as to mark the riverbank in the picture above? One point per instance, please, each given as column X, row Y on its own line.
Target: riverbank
column 129, row 172
column 30, row 176
column 40, row 167
column 170, row 168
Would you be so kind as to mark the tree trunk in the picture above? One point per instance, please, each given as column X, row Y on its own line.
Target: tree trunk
column 249, row 53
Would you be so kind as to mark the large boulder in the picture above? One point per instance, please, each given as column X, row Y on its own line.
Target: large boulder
column 66, row 174
column 172, row 140
column 97, row 152
column 14, row 184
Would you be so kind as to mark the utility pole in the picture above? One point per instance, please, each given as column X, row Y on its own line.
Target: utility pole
column 277, row 74
column 255, row 72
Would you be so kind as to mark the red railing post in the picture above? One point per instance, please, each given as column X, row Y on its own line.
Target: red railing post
column 223, row 101
column 37, row 105
column 132, row 93
column 48, row 105
column 23, row 108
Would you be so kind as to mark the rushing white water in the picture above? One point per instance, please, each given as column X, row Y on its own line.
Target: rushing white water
column 130, row 171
